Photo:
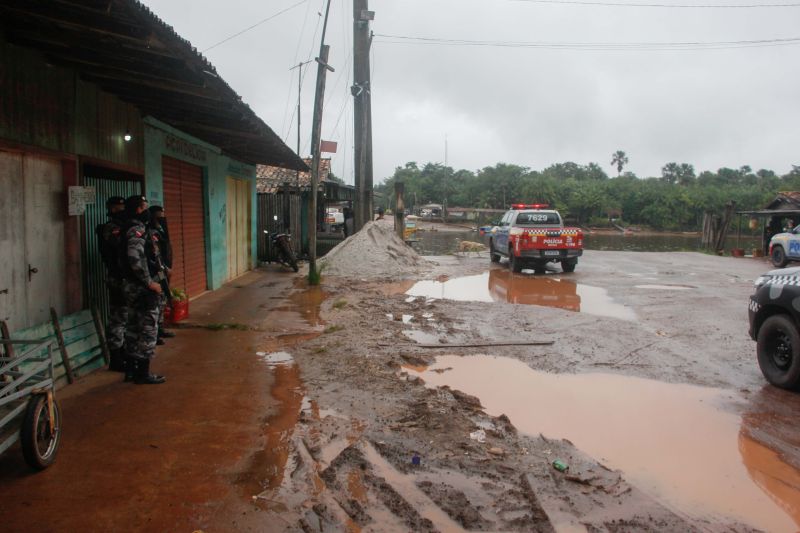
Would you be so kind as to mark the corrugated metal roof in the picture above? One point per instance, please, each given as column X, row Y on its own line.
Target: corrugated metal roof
column 124, row 48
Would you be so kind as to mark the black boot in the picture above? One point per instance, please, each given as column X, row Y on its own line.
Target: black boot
column 165, row 333
column 143, row 375
column 131, row 366
column 117, row 360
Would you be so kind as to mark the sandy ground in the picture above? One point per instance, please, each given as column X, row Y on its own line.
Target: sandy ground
column 348, row 408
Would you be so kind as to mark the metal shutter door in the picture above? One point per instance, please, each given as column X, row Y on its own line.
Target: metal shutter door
column 183, row 206
column 194, row 235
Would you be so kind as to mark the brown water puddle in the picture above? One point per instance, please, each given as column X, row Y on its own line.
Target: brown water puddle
column 307, row 302
column 500, row 285
column 672, row 441
column 271, row 461
column 271, row 465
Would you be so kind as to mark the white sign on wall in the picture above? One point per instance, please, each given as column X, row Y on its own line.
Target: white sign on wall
column 79, row 198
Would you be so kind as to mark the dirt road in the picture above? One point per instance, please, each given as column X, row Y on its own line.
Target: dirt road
column 344, row 409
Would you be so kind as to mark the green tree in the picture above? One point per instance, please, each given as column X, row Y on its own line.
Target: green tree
column 619, row 159
column 682, row 174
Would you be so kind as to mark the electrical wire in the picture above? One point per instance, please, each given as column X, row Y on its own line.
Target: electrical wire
column 259, row 23
column 295, row 62
column 606, row 46
column 638, row 4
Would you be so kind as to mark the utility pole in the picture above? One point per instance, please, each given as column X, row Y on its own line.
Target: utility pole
column 399, row 209
column 316, row 133
column 286, row 202
column 444, row 188
column 362, row 112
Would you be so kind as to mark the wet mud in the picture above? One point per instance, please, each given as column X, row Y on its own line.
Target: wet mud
column 333, row 416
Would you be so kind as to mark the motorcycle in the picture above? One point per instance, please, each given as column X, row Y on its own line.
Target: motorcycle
column 282, row 243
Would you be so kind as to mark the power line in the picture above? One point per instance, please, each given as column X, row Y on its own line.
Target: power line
column 644, row 46
column 259, row 23
column 289, row 94
column 637, row 4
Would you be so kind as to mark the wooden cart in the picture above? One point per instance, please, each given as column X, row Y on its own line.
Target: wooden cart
column 28, row 408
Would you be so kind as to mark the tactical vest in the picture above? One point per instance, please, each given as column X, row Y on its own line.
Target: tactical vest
column 151, row 253
column 109, row 237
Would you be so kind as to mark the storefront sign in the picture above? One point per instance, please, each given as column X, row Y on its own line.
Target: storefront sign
column 179, row 146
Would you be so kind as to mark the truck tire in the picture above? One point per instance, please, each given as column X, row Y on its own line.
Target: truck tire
column 514, row 263
column 778, row 257
column 568, row 265
column 494, row 256
column 778, row 347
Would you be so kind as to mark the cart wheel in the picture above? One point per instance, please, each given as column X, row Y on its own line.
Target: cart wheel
column 39, row 442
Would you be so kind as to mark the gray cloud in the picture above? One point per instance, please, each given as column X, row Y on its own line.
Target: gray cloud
column 534, row 107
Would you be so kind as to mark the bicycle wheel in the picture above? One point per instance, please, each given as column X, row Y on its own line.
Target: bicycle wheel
column 39, row 441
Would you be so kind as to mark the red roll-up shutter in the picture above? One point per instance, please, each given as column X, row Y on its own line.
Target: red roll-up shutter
column 183, row 206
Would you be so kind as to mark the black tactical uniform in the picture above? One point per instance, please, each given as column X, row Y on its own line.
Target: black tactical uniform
column 143, row 274
column 109, row 238
column 159, row 224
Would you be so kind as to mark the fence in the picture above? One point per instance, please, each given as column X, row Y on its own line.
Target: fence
column 284, row 206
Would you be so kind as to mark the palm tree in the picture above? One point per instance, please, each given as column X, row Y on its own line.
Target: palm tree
column 619, row 160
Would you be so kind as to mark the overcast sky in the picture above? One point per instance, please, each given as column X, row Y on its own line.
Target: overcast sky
column 533, row 107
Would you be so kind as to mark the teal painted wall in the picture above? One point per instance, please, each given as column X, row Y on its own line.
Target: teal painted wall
column 160, row 140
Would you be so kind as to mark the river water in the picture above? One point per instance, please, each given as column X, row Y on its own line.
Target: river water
column 445, row 242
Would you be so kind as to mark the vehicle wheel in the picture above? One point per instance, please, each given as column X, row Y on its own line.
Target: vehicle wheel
column 514, row 263
column 39, row 443
column 778, row 257
column 495, row 257
column 569, row 265
column 778, row 348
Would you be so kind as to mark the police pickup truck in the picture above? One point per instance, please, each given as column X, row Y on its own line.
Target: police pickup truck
column 531, row 235
column 785, row 247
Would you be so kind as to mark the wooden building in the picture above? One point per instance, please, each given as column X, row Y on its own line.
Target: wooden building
column 104, row 97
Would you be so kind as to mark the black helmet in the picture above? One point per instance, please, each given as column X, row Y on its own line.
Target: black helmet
column 115, row 200
column 132, row 203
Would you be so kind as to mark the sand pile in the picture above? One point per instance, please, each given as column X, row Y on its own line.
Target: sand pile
column 375, row 251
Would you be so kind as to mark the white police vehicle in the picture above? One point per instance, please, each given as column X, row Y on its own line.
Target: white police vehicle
column 785, row 247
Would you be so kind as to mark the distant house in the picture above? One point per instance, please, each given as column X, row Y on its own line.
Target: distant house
column 271, row 179
column 781, row 212
column 285, row 194
column 785, row 201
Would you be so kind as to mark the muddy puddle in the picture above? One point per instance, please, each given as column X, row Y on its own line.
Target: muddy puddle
column 271, row 465
column 674, row 442
column 500, row 285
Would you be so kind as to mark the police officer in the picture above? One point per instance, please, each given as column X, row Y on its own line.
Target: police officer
column 142, row 292
column 159, row 224
column 109, row 237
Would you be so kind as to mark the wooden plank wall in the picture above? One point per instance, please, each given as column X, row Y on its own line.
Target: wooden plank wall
column 46, row 106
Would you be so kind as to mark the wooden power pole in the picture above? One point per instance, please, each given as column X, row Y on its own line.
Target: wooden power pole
column 362, row 112
column 316, row 134
column 399, row 209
